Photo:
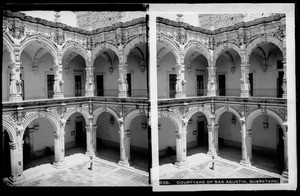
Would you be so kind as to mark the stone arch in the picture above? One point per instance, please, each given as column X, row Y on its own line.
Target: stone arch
column 100, row 110
column 84, row 113
column 100, row 47
column 9, row 46
column 202, row 50
column 252, row 45
column 51, row 117
column 130, row 46
column 223, row 47
column 222, row 110
column 80, row 50
column 251, row 117
column 130, row 117
column 203, row 110
column 47, row 43
column 173, row 117
column 172, row 46
column 11, row 130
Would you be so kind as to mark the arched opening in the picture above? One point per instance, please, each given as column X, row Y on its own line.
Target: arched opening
column 106, row 73
column 137, row 71
column 228, row 73
column 75, row 134
column 197, row 134
column 166, row 72
column 74, row 74
column 38, row 145
column 37, row 73
column 139, row 142
column 108, row 139
column 267, row 144
column 229, row 137
column 196, row 73
column 6, row 159
column 266, row 71
column 167, row 140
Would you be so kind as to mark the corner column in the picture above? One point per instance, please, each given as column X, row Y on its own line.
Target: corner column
column 91, row 145
column 212, row 81
column 213, row 138
column 181, row 146
column 123, row 87
column 89, row 84
column 58, row 83
column 245, row 86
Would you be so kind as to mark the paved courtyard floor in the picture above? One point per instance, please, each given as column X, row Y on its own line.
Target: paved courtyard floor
column 199, row 167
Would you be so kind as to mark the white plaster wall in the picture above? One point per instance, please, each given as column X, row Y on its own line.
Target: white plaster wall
column 36, row 81
column 166, row 135
column 138, row 78
column 264, row 138
column 107, row 131
column 228, row 131
column 78, row 63
column 5, row 76
column 42, row 137
column 166, row 64
column 193, row 126
column 232, row 80
column 69, row 138
column 110, row 80
column 138, row 136
column 198, row 67
column 264, row 83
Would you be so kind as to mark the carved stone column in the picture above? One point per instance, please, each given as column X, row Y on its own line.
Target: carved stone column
column 284, row 82
column 245, row 86
column 89, row 84
column 123, row 158
column 181, row 146
column 213, row 138
column 212, row 81
column 285, row 172
column 180, row 83
column 58, row 83
column 91, row 140
column 246, row 140
column 15, row 164
column 57, row 149
column 123, row 87
column 16, row 83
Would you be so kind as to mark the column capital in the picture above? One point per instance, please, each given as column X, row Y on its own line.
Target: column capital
column 13, row 145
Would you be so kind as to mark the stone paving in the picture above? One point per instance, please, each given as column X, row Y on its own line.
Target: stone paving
column 104, row 173
column 199, row 167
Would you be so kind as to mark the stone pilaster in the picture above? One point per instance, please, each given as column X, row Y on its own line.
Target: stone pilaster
column 123, row 87
column 15, row 89
column 285, row 172
column 284, row 82
column 246, row 144
column 180, row 84
column 245, row 86
column 59, row 83
column 89, row 84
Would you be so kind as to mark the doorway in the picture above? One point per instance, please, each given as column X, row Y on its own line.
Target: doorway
column 100, row 86
column 129, row 84
column 222, row 85
column 80, row 136
column 78, row 86
column 172, row 85
column 201, row 137
column 251, row 84
column 50, row 85
column 279, row 84
column 200, row 85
